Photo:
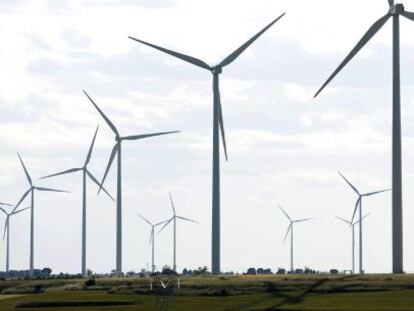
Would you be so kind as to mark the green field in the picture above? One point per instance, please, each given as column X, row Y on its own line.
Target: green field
column 370, row 292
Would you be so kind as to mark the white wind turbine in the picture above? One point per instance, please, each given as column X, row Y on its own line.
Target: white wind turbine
column 116, row 151
column 152, row 239
column 7, row 231
column 352, row 227
column 32, row 191
column 358, row 205
column 85, row 174
column 174, row 220
column 290, row 229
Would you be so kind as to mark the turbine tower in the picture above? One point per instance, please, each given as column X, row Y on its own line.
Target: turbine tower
column 152, row 240
column 85, row 174
column 290, row 229
column 32, row 191
column 218, row 126
column 358, row 204
column 174, row 220
column 7, row 231
column 395, row 11
column 352, row 226
column 116, row 151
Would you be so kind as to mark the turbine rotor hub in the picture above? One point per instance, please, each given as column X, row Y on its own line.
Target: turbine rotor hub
column 397, row 9
column 216, row 70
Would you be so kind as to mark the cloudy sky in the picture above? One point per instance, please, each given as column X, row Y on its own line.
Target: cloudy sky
column 284, row 146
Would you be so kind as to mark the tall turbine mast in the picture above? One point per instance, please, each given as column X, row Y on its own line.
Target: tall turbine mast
column 31, row 191
column 218, row 127
column 152, row 239
column 395, row 10
column 290, row 229
column 7, row 231
column 352, row 227
column 86, row 173
column 174, row 220
column 358, row 205
column 116, row 151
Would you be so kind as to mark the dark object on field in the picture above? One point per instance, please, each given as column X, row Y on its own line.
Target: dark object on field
column 70, row 304
column 334, row 271
column 90, row 282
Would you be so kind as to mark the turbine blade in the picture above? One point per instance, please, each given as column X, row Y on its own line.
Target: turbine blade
column 302, row 220
column 376, row 192
column 172, row 203
column 348, row 222
column 25, row 170
column 88, row 158
column 93, row 178
column 284, row 212
column 108, row 167
column 356, row 208
column 186, row 58
column 22, row 199
column 50, row 190
column 365, row 39
column 143, row 136
column 408, row 15
column 3, row 210
column 110, row 124
column 221, row 122
column 287, row 232
column 187, row 219
column 19, row 211
column 5, row 204
column 146, row 220
column 166, row 224
column 6, row 224
column 160, row 223
column 72, row 170
column 362, row 219
column 349, row 183
column 229, row 59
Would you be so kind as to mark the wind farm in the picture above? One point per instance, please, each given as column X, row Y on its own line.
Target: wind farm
column 119, row 199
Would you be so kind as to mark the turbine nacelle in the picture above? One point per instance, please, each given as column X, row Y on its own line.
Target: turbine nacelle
column 216, row 70
column 397, row 9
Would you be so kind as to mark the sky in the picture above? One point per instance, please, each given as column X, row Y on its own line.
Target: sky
column 285, row 147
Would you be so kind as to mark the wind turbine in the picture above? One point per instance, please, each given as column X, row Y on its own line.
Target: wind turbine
column 352, row 226
column 218, row 125
column 152, row 239
column 395, row 10
column 174, row 220
column 31, row 191
column 85, row 174
column 359, row 204
column 116, row 151
column 290, row 229
column 7, row 231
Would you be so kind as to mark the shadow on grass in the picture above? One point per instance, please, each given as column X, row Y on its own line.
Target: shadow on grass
column 286, row 299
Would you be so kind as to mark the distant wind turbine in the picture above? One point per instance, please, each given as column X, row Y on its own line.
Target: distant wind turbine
column 352, row 226
column 7, row 231
column 290, row 229
column 359, row 204
column 31, row 191
column 395, row 10
column 152, row 239
column 116, row 151
column 218, row 125
column 174, row 220
column 85, row 173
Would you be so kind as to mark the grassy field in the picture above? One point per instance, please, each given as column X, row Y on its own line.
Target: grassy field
column 370, row 292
